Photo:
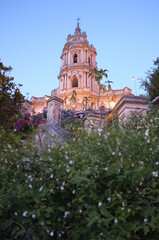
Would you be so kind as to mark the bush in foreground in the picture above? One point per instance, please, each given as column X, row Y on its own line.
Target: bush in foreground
column 103, row 185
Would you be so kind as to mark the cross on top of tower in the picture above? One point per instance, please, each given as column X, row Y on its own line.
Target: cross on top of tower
column 78, row 19
column 78, row 30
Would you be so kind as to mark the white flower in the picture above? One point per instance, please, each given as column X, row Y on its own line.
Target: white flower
column 108, row 199
column 115, row 220
column 25, row 214
column 106, row 169
column 51, row 176
column 62, row 188
column 63, row 184
column 99, row 204
column 18, row 166
column 155, row 173
column 30, row 186
column 147, row 132
column 157, row 163
column 40, row 189
column 66, row 213
column 52, row 234
column 148, row 141
column 73, row 192
column 80, row 211
column 113, row 153
column 145, row 220
column 66, row 157
column 70, row 162
column 15, row 213
column 33, row 216
column 68, row 170
column 100, row 129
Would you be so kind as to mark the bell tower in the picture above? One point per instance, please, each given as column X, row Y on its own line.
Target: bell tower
column 77, row 59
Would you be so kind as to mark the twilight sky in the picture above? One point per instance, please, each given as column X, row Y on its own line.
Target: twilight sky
column 125, row 34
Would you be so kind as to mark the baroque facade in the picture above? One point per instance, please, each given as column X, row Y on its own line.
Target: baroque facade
column 77, row 59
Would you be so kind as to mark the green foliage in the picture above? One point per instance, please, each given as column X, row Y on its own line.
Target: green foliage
column 99, row 74
column 10, row 98
column 96, row 186
column 151, row 82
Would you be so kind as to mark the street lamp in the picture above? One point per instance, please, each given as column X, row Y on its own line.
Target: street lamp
column 112, row 105
column 133, row 78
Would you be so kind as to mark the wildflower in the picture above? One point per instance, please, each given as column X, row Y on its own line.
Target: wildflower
column 73, row 192
column 113, row 153
column 115, row 220
column 145, row 219
column 147, row 132
column 109, row 199
column 33, row 216
column 52, row 234
column 25, row 214
column 62, row 188
column 99, row 204
column 66, row 213
column 106, row 169
column 80, row 211
column 30, row 186
column 15, row 213
column 70, row 162
column 63, row 184
column 51, row 176
column 40, row 189
column 30, row 177
column 155, row 173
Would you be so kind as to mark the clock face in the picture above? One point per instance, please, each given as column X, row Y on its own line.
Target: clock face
column 75, row 40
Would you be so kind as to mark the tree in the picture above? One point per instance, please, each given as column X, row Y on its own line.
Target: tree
column 99, row 74
column 11, row 98
column 151, row 82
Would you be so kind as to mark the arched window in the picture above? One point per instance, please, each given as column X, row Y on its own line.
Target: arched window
column 75, row 58
column 89, row 61
column 75, row 82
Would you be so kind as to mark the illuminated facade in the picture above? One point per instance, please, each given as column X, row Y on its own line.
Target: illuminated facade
column 77, row 59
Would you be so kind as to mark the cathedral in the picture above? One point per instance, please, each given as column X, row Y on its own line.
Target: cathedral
column 78, row 58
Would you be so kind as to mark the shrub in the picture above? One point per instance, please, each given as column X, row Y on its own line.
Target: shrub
column 103, row 185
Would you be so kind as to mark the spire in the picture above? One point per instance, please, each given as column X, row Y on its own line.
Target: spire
column 77, row 30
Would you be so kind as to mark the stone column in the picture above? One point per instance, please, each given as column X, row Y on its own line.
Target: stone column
column 84, row 78
column 64, row 82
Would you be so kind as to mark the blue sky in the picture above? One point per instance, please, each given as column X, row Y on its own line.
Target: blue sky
column 33, row 33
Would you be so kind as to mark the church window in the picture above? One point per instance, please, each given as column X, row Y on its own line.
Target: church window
column 89, row 61
column 75, row 82
column 75, row 58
